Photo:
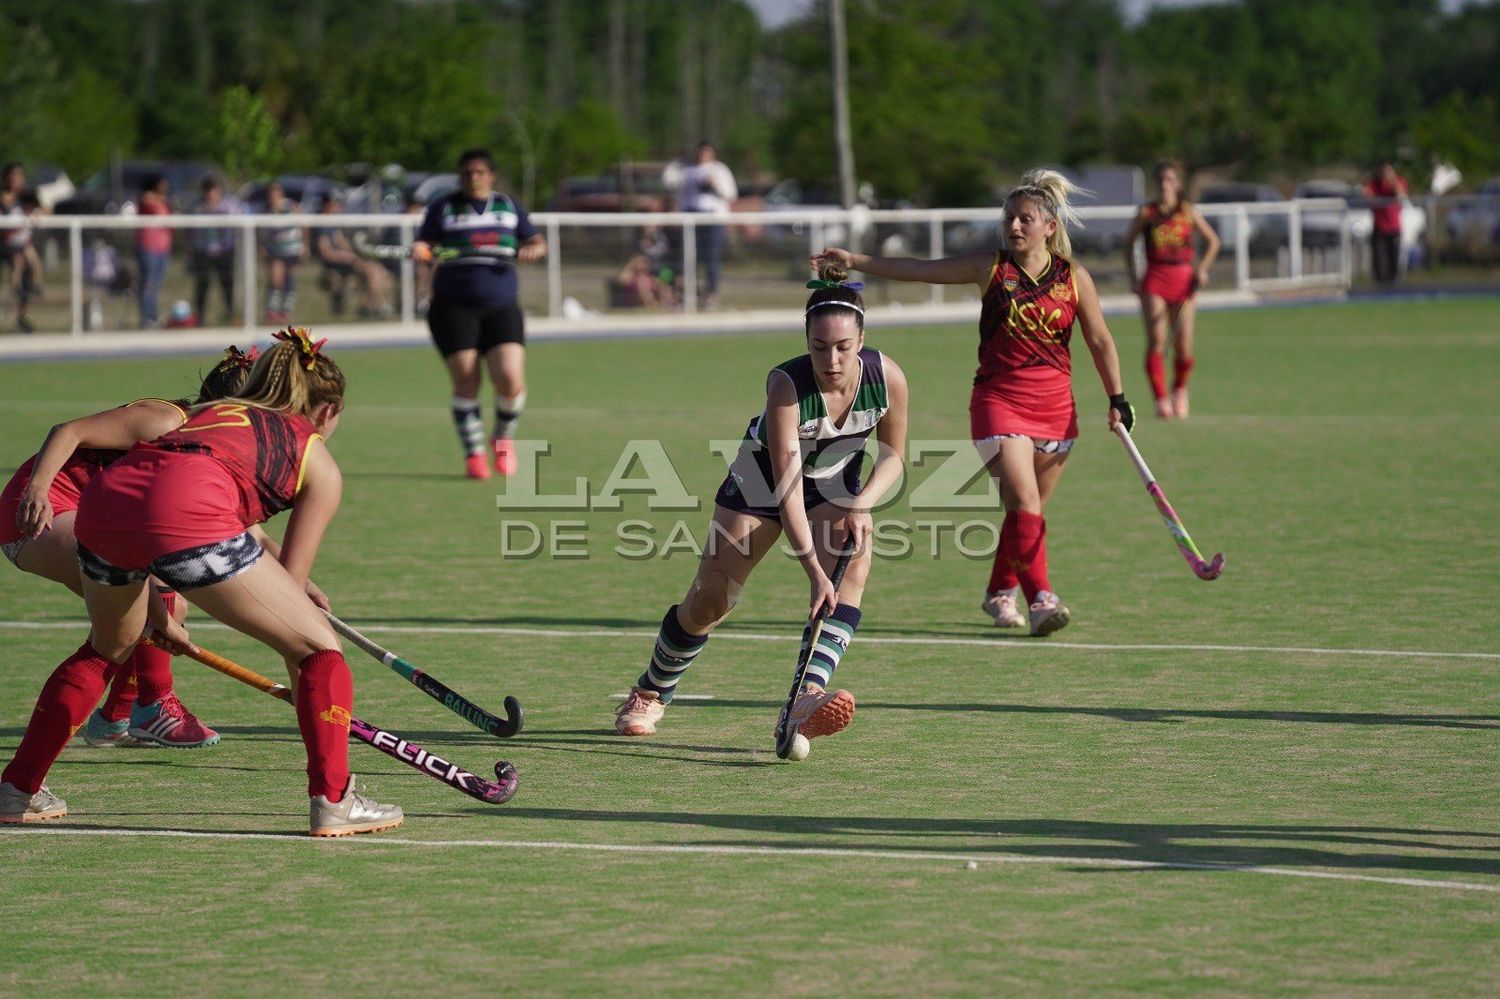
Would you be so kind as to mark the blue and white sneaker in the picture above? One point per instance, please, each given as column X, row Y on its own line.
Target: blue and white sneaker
column 168, row 723
column 101, row 733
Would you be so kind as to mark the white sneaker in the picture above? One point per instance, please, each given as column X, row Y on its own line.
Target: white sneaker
column 1048, row 614
column 352, row 813
column 640, row 712
column 1002, row 607
column 18, row 806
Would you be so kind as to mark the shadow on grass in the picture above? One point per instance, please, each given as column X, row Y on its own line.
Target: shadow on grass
column 787, row 628
column 1208, row 844
column 1164, row 716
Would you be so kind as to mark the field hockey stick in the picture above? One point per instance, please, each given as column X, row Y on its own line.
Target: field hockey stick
column 466, row 709
column 398, row 251
column 496, row 792
column 785, row 733
column 1201, row 568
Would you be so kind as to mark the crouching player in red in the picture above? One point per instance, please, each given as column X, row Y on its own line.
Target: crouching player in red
column 1022, row 416
column 798, row 470
column 37, row 511
column 180, row 508
column 1171, row 283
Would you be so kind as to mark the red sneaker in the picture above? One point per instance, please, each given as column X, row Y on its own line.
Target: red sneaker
column 168, row 723
column 505, row 455
column 477, row 466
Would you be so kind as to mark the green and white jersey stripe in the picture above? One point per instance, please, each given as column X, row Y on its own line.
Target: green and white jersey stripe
column 828, row 447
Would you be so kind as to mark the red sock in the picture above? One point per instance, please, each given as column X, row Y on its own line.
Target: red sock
column 153, row 672
column 325, row 703
column 1003, row 574
column 1156, row 371
column 68, row 697
column 1181, row 368
column 122, row 693
column 1028, row 553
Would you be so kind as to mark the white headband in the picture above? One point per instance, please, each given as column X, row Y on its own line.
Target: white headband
column 842, row 305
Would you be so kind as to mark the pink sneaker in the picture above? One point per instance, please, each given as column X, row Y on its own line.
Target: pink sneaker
column 1002, row 607
column 505, row 455
column 477, row 466
column 816, row 712
column 1180, row 402
column 168, row 723
column 640, row 713
column 1164, row 408
column 1049, row 614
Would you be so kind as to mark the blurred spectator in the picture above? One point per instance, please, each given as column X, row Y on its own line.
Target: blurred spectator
column 16, row 247
column 706, row 186
column 341, row 264
column 284, row 247
column 153, row 249
column 647, row 277
column 213, row 250
column 1387, row 188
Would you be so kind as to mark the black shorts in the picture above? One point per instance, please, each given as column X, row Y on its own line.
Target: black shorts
column 840, row 491
column 474, row 327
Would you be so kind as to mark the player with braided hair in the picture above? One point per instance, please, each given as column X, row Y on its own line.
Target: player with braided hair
column 37, row 509
column 180, row 508
column 1022, row 416
column 797, row 471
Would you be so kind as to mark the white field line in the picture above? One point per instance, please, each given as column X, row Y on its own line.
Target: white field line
column 740, row 636
column 768, row 851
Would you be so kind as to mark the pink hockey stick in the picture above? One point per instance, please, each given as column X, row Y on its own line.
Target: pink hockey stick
column 1201, row 568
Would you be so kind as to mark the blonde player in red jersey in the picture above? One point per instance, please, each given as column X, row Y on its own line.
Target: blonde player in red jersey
column 1022, row 415
column 1171, row 284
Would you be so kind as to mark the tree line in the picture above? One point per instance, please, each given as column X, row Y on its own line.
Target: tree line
column 949, row 97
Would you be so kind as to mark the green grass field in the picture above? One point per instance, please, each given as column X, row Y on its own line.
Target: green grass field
column 1308, row 807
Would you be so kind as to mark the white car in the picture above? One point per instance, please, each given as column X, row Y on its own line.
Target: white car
column 1320, row 227
column 1476, row 217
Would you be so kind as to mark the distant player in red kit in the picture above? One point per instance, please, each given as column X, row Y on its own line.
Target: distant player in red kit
column 1021, row 413
column 180, row 508
column 1171, row 283
column 37, row 511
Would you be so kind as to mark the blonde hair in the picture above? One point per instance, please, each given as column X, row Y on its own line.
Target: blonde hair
column 291, row 379
column 1052, row 191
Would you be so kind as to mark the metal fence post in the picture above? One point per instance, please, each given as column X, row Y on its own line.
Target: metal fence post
column 689, row 264
column 408, row 274
column 554, row 268
column 934, row 251
column 75, row 278
column 1346, row 250
column 1241, row 248
column 247, row 271
column 1294, row 239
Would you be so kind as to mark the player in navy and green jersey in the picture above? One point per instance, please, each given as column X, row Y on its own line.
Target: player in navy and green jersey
column 798, row 471
column 478, row 234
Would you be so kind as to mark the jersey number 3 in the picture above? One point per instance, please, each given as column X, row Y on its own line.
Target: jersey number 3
column 229, row 415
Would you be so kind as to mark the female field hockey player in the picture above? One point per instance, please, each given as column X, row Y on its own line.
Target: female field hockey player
column 179, row 508
column 798, row 471
column 1171, row 283
column 37, row 510
column 1022, row 416
column 478, row 235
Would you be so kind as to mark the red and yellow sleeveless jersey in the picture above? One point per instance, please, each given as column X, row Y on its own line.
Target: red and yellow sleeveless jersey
column 1025, row 322
column 263, row 451
column 1169, row 237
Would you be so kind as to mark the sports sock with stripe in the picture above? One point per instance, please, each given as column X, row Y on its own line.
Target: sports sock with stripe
column 469, row 424
column 507, row 411
column 672, row 654
column 325, row 704
column 833, row 642
column 67, row 698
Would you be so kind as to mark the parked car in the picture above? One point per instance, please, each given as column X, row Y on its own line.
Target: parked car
column 629, row 187
column 1266, row 232
column 114, row 189
column 1107, row 187
column 1476, row 218
column 1323, row 228
column 432, row 186
column 305, row 189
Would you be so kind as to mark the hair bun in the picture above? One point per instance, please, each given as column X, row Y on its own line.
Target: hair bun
column 832, row 270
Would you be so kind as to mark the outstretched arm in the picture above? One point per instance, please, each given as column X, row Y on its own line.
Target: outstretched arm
column 967, row 268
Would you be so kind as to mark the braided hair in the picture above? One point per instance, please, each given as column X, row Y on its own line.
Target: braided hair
column 293, row 377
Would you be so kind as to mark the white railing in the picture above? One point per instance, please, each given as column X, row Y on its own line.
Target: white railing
column 1264, row 241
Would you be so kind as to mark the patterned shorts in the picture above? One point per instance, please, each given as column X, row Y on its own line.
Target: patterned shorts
column 12, row 549
column 188, row 569
column 1042, row 447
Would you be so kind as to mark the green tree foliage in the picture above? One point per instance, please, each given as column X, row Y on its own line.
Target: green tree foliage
column 950, row 98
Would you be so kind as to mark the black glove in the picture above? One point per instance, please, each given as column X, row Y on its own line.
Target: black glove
column 1125, row 409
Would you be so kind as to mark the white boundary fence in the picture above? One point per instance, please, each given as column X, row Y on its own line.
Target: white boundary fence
column 1272, row 234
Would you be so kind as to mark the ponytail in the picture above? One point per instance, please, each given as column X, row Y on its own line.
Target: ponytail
column 228, row 377
column 294, row 376
column 1052, row 191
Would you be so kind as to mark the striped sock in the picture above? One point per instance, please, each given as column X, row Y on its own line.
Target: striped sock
column 470, row 426
column 674, row 652
column 507, row 412
column 838, row 632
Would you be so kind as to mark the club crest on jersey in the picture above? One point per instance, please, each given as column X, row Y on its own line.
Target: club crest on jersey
column 808, row 429
column 1011, row 282
column 1062, row 292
